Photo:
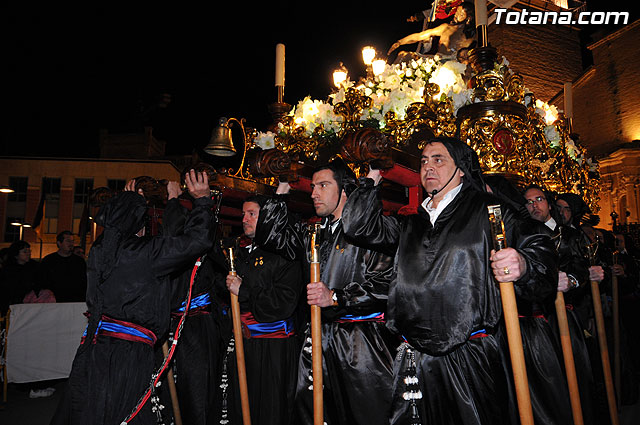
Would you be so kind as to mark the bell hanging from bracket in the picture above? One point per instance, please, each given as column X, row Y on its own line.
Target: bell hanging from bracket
column 221, row 143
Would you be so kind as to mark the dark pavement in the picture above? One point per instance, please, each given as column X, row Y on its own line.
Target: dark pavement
column 22, row 410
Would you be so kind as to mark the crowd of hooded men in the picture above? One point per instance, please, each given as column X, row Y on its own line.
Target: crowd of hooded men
column 412, row 321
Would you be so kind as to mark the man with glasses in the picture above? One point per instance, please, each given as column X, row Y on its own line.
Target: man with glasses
column 538, row 206
column 573, row 281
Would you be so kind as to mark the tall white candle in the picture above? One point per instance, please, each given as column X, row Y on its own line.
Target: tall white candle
column 280, row 64
column 568, row 100
column 481, row 12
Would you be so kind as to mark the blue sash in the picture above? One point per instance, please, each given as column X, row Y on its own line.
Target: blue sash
column 376, row 317
column 255, row 329
column 201, row 300
column 122, row 330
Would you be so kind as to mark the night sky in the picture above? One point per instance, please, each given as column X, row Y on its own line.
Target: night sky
column 73, row 71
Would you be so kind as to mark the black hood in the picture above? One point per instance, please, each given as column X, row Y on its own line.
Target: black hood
column 124, row 214
column 578, row 207
column 121, row 217
column 465, row 159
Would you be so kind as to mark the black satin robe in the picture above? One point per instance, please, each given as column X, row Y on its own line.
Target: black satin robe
column 108, row 377
column 270, row 290
column 548, row 388
column 198, row 356
column 357, row 356
column 443, row 292
column 569, row 245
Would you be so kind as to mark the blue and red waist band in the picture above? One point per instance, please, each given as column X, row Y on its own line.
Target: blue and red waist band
column 478, row 334
column 373, row 317
column 121, row 329
column 199, row 305
column 254, row 329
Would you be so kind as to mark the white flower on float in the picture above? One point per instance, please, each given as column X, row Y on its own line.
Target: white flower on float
column 447, row 76
column 398, row 103
column 265, row 140
column 305, row 114
column 310, row 110
column 391, row 82
column 460, row 99
column 572, row 149
column 327, row 117
column 552, row 136
column 338, row 96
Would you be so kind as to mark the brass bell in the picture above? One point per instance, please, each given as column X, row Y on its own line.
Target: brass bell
column 221, row 143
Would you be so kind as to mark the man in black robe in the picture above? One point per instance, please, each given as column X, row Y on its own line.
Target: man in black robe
column 268, row 287
column 444, row 300
column 129, row 297
column 573, row 282
column 206, row 327
column 356, row 346
column 548, row 388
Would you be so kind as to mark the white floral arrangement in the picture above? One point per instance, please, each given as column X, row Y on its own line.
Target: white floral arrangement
column 400, row 85
column 265, row 140
column 397, row 87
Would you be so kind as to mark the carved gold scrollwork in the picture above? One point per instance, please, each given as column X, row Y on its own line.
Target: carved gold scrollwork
column 515, row 87
column 293, row 140
column 352, row 108
column 500, row 122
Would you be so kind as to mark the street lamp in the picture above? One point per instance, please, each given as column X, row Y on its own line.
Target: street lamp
column 6, row 189
column 21, row 225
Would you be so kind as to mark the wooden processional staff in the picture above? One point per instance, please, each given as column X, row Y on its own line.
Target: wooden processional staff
column 173, row 392
column 239, row 342
column 567, row 352
column 569, row 362
column 615, row 295
column 510, row 312
column 316, row 331
column 602, row 340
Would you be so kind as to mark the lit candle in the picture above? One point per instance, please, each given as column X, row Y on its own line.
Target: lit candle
column 568, row 100
column 481, row 12
column 280, row 65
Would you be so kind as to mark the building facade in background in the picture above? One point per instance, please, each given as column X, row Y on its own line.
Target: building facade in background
column 64, row 186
